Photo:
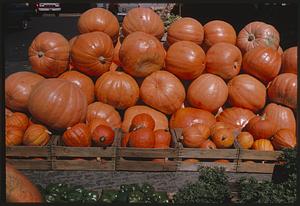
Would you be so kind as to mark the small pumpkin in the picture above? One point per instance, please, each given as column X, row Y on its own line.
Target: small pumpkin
column 142, row 120
column 17, row 119
column 284, row 138
column 36, row 135
column 220, row 125
column 142, row 138
column 223, row 138
column 208, row 144
column 162, row 138
column 245, row 140
column 13, row 136
column 289, row 61
column 78, row 135
column 195, row 135
column 263, row 145
column 103, row 136
column 95, row 123
column 125, row 139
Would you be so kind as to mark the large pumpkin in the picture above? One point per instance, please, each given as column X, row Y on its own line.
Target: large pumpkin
column 141, row 54
column 261, row 128
column 284, row 138
column 161, row 121
column 18, row 87
column 185, row 29
column 208, row 92
column 289, row 61
column 185, row 117
column 49, row 54
column 85, row 83
column 224, row 59
column 103, row 111
column 92, row 53
column 247, row 92
column 117, row 89
column 257, row 34
column 57, row 103
column 185, row 59
column 163, row 91
column 99, row 19
column 145, row 20
column 236, row 116
column 283, row 90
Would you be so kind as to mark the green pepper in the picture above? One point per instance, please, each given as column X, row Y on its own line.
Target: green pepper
column 109, row 196
column 160, row 197
column 136, row 197
column 122, row 197
column 147, row 188
column 129, row 188
column 90, row 196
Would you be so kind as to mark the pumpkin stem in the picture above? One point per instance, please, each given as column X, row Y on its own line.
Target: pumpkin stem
column 251, row 37
column 102, row 138
column 47, row 131
column 263, row 117
column 40, row 54
column 69, row 128
column 102, row 60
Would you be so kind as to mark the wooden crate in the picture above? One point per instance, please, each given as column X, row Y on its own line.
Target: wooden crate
column 140, row 159
column 90, row 158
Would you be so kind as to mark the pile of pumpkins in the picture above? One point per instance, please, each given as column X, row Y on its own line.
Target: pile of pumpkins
column 215, row 84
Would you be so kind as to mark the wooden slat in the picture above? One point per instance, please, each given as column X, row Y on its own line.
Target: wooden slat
column 146, row 153
column 30, row 164
column 82, row 165
column 208, row 153
column 28, row 151
column 184, row 166
column 63, row 151
column 258, row 155
column 146, row 166
column 255, row 167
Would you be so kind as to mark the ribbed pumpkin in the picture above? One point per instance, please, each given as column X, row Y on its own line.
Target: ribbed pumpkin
column 283, row 90
column 263, row 63
column 144, row 20
column 185, row 29
column 49, row 54
column 208, row 92
column 185, row 117
column 141, row 54
column 36, row 135
column 103, row 111
column 185, row 59
column 161, row 121
column 289, row 61
column 162, row 138
column 263, row 145
column 103, row 136
column 13, row 136
column 142, row 138
column 247, row 92
column 17, row 119
column 92, row 53
column 223, row 138
column 208, row 144
column 283, row 117
column 99, row 19
column 245, row 140
column 85, row 83
column 257, row 34
column 284, row 138
column 57, row 103
column 236, row 116
column 163, row 91
column 96, row 122
column 195, row 135
column 18, row 87
column 142, row 120
column 117, row 89
column 77, row 136
column 224, row 60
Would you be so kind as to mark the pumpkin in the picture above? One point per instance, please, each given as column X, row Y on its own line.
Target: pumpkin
column 17, row 119
column 185, row 29
column 161, row 121
column 36, row 135
column 263, row 145
column 57, row 103
column 217, row 31
column 191, row 161
column 263, row 63
column 117, row 89
column 185, row 59
column 78, row 135
column 96, row 122
column 220, row 125
column 281, row 116
column 141, row 54
column 222, row 161
column 13, row 136
column 103, row 136
column 142, row 138
column 195, row 135
column 223, row 59
column 283, row 90
column 103, row 111
column 257, row 34
column 92, row 53
column 125, row 139
column 162, row 138
column 284, row 138
column 223, row 138
column 71, row 42
column 85, row 83
column 185, row 117
column 101, row 20
column 142, row 120
column 236, row 116
column 208, row 92
column 208, row 144
column 289, row 61
column 49, row 54
column 247, row 92
column 143, row 20
column 245, row 140
column 116, row 58
column 261, row 128
column 18, row 87
column 163, row 91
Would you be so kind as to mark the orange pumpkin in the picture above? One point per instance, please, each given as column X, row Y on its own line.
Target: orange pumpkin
column 263, row 145
column 191, row 161
column 185, row 59
column 17, row 119
column 261, row 128
column 208, row 92
column 220, row 125
column 13, row 136
column 195, row 135
column 284, row 138
column 117, row 89
column 103, row 136
column 222, row 161
column 142, row 138
column 36, row 135
column 162, row 138
column 77, row 136
column 245, row 140
column 143, row 20
column 92, row 53
column 49, row 54
column 163, row 91
column 289, row 61
column 208, row 144
column 142, row 120
column 95, row 123
column 223, row 138
column 18, row 87
column 141, row 54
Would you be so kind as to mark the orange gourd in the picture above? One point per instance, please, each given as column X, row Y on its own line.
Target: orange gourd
column 36, row 135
